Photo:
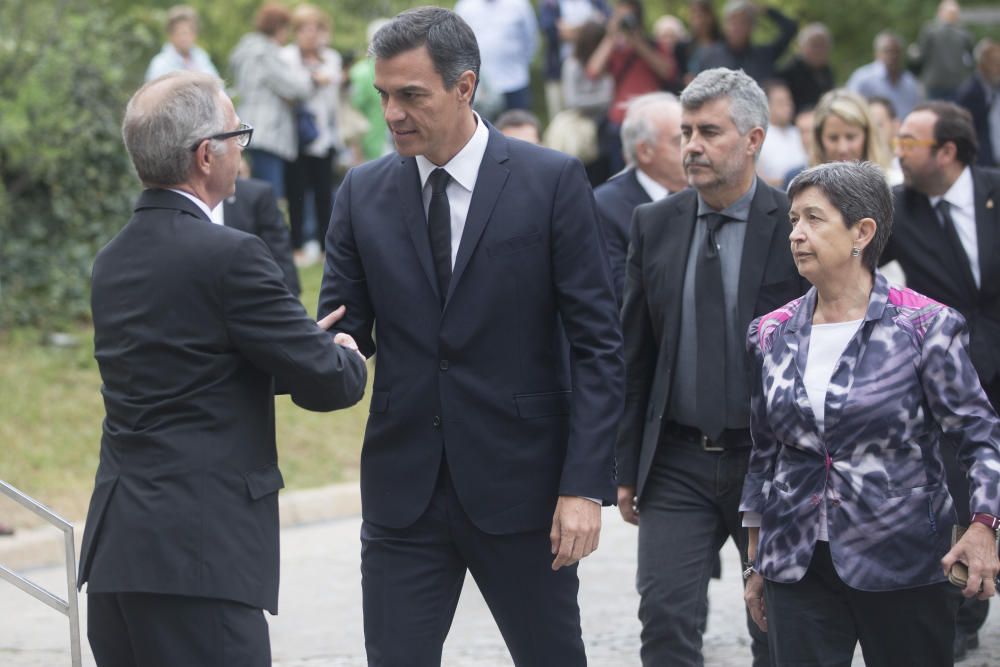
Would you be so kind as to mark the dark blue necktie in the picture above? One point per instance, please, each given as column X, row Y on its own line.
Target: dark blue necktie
column 439, row 229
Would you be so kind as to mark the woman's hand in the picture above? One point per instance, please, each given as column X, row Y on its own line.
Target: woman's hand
column 753, row 595
column 977, row 549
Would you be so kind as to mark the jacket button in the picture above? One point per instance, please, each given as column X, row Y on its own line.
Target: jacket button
column 443, row 365
column 437, row 421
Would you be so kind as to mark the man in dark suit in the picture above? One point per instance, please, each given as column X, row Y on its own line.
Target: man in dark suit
column 192, row 327
column 253, row 208
column 702, row 264
column 946, row 238
column 980, row 94
column 651, row 142
column 498, row 382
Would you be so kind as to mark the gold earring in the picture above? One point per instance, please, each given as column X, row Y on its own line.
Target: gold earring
column 855, row 252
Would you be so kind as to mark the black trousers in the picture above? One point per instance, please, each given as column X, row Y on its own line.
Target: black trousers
column 411, row 579
column 688, row 510
column 818, row 621
column 314, row 175
column 152, row 630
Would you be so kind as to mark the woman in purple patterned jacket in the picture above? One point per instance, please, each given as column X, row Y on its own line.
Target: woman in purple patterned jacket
column 855, row 382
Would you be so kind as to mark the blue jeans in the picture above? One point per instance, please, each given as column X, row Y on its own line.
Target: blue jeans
column 268, row 167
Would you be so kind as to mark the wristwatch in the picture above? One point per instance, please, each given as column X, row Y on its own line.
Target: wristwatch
column 749, row 568
column 988, row 520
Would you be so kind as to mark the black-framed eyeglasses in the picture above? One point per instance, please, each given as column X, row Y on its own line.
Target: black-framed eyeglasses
column 243, row 136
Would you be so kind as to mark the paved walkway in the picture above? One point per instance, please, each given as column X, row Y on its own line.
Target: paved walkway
column 320, row 621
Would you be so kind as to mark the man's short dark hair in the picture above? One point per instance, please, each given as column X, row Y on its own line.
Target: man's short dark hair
column 449, row 40
column 517, row 118
column 953, row 124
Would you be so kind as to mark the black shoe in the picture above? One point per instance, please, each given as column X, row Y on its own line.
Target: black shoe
column 961, row 646
column 972, row 640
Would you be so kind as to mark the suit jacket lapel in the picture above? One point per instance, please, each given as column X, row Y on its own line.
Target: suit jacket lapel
column 673, row 247
column 489, row 183
column 756, row 250
column 411, row 206
column 987, row 199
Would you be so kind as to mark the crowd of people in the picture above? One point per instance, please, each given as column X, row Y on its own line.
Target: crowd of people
column 316, row 112
column 695, row 320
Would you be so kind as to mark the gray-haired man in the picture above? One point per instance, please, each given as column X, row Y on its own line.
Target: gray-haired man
column 651, row 142
column 193, row 325
column 702, row 264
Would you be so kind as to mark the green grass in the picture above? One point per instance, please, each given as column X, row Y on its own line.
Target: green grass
column 51, row 412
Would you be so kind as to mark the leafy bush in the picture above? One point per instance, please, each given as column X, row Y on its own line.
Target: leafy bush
column 66, row 184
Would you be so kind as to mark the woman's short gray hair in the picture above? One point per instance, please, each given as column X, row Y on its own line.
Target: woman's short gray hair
column 747, row 101
column 857, row 190
column 165, row 118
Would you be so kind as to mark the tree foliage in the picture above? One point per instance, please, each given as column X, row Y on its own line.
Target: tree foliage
column 67, row 68
column 65, row 182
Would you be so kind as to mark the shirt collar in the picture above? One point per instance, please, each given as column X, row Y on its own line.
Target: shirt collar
column 655, row 191
column 202, row 205
column 961, row 194
column 464, row 167
column 739, row 210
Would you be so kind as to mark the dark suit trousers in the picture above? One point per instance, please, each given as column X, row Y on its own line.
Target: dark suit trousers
column 818, row 621
column 689, row 508
column 152, row 630
column 412, row 577
column 972, row 613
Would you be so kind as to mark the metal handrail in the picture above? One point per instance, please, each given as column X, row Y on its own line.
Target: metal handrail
column 66, row 607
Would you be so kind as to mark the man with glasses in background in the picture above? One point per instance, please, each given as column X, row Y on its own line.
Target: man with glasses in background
column 193, row 326
column 946, row 237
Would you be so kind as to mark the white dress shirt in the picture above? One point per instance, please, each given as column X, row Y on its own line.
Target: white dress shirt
column 507, row 32
column 464, row 171
column 655, row 191
column 202, row 205
column 962, row 198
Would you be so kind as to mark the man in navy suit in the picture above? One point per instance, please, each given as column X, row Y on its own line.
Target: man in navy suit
column 499, row 372
column 253, row 208
column 651, row 142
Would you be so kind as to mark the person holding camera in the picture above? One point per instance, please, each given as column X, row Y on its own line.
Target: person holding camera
column 636, row 64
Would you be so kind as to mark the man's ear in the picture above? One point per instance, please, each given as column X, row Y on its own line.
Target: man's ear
column 756, row 136
column 203, row 157
column 466, row 86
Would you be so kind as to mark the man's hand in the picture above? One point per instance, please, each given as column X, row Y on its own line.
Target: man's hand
column 627, row 504
column 342, row 339
column 576, row 530
column 977, row 549
column 753, row 595
column 332, row 318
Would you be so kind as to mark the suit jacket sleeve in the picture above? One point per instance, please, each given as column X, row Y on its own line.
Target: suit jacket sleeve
column 271, row 227
column 589, row 314
column 959, row 404
column 344, row 281
column 616, row 241
column 271, row 328
column 640, row 359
